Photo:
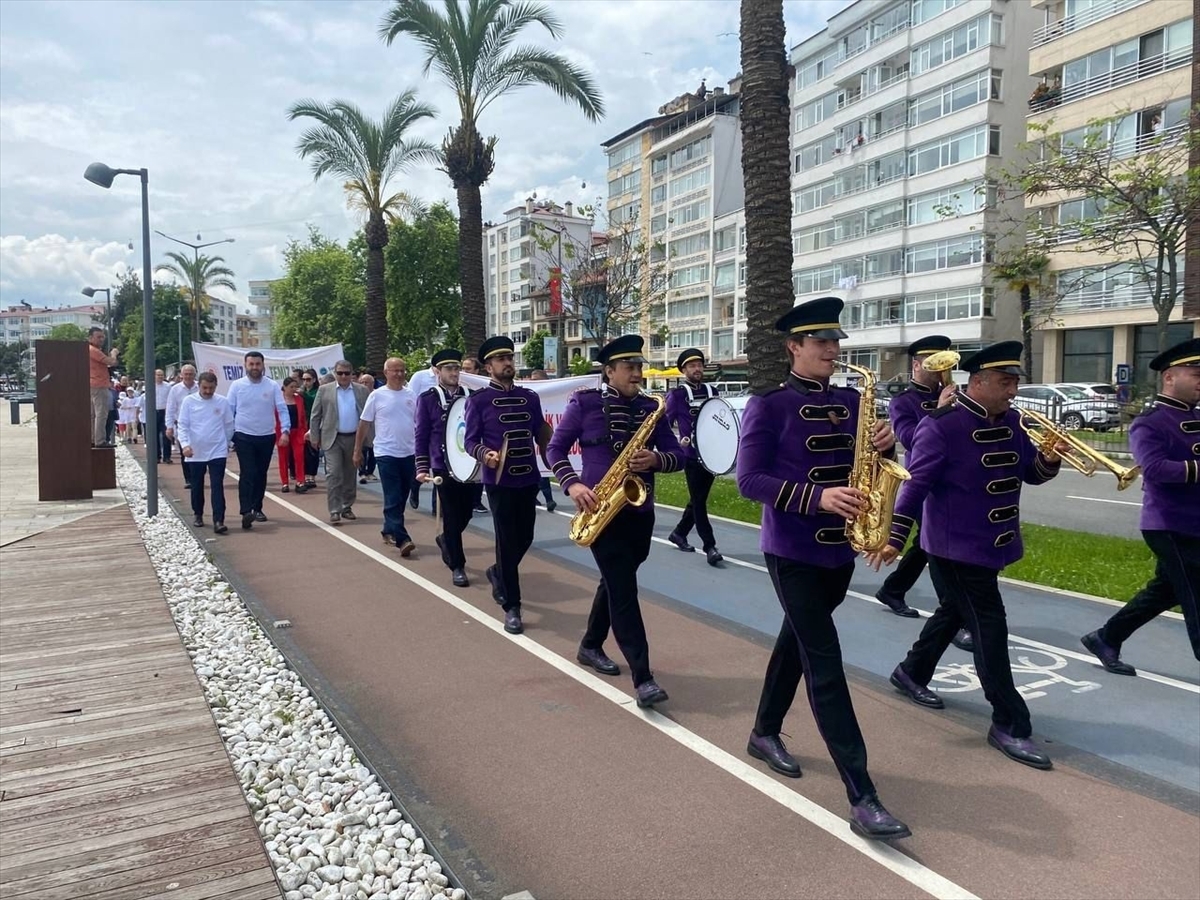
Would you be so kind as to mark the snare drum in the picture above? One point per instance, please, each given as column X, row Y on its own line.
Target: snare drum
column 462, row 465
column 716, row 435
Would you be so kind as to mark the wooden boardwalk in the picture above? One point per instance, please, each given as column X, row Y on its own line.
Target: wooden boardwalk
column 114, row 782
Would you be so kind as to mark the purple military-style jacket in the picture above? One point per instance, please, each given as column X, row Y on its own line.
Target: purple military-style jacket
column 909, row 407
column 601, row 420
column 1166, row 443
column 432, row 407
column 967, row 470
column 683, row 404
column 796, row 442
column 495, row 413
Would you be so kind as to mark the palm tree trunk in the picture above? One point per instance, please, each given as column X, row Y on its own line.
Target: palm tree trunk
column 1027, row 330
column 470, row 264
column 765, row 111
column 1191, row 268
column 376, row 329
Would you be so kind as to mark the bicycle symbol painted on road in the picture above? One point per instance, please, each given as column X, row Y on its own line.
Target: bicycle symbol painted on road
column 960, row 678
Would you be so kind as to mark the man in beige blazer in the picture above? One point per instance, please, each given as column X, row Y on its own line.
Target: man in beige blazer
column 332, row 426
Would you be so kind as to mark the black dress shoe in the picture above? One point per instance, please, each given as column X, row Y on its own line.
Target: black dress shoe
column 493, row 578
column 442, row 550
column 681, row 542
column 918, row 694
column 551, row 506
column 770, row 750
column 1022, row 750
column 870, row 820
column 714, row 556
column 964, row 641
column 414, row 500
column 896, row 605
column 1110, row 657
column 512, row 620
column 479, row 508
column 219, row 527
column 302, row 489
column 247, row 521
column 407, row 548
column 649, row 693
column 259, row 516
column 198, row 521
column 596, row 659
column 460, row 578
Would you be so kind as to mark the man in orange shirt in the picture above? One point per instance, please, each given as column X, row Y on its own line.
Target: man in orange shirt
column 100, row 382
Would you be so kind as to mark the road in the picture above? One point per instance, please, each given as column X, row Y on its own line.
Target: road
column 530, row 772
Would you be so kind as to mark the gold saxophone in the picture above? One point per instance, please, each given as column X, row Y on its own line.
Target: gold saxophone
column 879, row 479
column 618, row 487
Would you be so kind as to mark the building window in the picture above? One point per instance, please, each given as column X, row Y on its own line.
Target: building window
column 948, row 254
column 658, row 223
column 625, row 184
column 946, row 306
column 816, row 68
column 692, row 181
column 924, row 10
column 693, row 212
column 658, row 165
column 687, row 275
column 1145, row 343
column 684, row 309
column 948, row 203
column 677, row 340
column 950, row 45
column 1087, row 354
column 696, row 243
column 951, row 98
column 724, row 277
column 623, row 153
column 817, row 111
column 725, row 239
column 953, row 149
column 690, row 152
column 658, row 194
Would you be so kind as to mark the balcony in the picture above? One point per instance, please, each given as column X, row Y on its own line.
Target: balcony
column 1055, row 30
column 1097, row 299
column 1106, row 81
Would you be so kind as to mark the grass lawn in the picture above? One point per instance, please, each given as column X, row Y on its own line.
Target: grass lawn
column 1072, row 560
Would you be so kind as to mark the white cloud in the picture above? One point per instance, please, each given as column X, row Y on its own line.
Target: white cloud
column 39, row 52
column 51, row 269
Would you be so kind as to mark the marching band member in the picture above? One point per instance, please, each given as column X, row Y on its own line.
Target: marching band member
column 602, row 420
column 504, row 423
column 1166, row 443
column 455, row 499
column 967, row 463
column 796, row 453
column 683, row 403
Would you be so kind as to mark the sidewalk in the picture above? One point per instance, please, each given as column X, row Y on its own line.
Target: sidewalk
column 114, row 782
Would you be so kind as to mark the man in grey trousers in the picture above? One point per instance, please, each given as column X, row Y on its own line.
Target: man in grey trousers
column 333, row 425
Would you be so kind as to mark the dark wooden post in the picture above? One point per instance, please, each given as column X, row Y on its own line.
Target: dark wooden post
column 64, row 422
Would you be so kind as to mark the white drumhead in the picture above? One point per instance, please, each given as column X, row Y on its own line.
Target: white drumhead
column 462, row 465
column 716, row 436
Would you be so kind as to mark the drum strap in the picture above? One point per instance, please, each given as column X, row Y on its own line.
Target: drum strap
column 445, row 400
column 708, row 392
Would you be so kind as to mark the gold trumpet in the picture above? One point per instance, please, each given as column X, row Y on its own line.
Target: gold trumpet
column 1045, row 434
column 943, row 361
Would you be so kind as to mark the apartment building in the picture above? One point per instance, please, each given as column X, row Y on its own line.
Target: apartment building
column 246, row 328
column 1106, row 58
column 902, row 115
column 29, row 323
column 670, row 179
column 520, row 253
column 223, row 316
column 260, row 299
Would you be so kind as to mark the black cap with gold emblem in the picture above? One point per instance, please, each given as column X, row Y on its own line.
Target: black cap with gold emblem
column 929, row 344
column 449, row 355
column 1002, row 357
column 1185, row 354
column 495, row 345
column 627, row 347
column 687, row 356
column 816, row 318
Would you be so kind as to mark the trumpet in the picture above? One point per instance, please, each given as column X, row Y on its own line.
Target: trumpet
column 1045, row 435
column 942, row 362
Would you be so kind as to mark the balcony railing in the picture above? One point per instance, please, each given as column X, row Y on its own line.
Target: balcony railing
column 861, row 95
column 1135, row 71
column 1085, row 301
column 1054, row 30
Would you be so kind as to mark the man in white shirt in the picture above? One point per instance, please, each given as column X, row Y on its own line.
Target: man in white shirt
column 205, row 427
column 255, row 400
column 161, row 392
column 420, row 383
column 333, row 426
column 185, row 387
column 392, row 410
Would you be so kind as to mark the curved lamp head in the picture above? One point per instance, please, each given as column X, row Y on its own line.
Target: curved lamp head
column 88, row 292
column 99, row 173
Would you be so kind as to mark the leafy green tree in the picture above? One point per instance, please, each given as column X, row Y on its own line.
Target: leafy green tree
column 126, row 296
column 67, row 331
column 535, row 350
column 198, row 275
column 580, row 365
column 12, row 361
column 471, row 46
column 424, row 300
column 167, row 301
column 366, row 154
column 321, row 298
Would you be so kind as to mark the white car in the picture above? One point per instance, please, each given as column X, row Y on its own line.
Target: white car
column 1096, row 390
column 1069, row 406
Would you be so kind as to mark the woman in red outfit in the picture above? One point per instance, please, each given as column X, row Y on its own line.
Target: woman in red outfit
column 291, row 457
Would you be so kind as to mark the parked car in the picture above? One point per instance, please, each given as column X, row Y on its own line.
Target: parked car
column 1094, row 389
column 1069, row 406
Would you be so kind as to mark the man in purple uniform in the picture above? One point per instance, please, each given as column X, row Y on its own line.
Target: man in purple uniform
column 968, row 462
column 683, row 403
column 795, row 457
column 505, row 427
column 602, row 420
column 453, row 498
column 1166, row 444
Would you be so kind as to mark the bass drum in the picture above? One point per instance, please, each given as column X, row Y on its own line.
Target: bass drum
column 716, row 435
column 462, row 465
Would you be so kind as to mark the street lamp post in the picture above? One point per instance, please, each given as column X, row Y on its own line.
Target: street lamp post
column 102, row 175
column 179, row 329
column 196, row 248
column 92, row 292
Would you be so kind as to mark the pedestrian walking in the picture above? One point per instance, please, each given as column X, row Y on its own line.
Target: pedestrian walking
column 100, row 383
column 390, row 415
column 255, row 400
column 205, row 428
column 333, row 428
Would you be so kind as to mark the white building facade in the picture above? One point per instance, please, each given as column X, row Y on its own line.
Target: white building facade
column 260, row 299
column 29, row 323
column 223, row 316
column 903, row 113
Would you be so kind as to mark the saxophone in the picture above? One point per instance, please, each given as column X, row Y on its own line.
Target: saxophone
column 618, row 487
column 879, row 479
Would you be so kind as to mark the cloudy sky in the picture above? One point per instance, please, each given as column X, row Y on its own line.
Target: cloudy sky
column 197, row 92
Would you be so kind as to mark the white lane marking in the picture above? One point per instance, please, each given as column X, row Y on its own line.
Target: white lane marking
column 890, row 858
column 1105, row 500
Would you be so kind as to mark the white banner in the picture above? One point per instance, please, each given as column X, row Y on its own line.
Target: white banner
column 554, row 394
column 227, row 363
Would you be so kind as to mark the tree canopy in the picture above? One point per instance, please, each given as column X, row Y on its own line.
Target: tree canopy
column 168, row 299
column 321, row 298
column 421, row 266
column 67, row 331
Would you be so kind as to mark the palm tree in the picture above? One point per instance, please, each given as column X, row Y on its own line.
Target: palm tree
column 1024, row 268
column 765, row 171
column 471, row 47
column 197, row 276
column 366, row 154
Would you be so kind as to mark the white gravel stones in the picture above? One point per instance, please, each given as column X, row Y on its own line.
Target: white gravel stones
column 330, row 830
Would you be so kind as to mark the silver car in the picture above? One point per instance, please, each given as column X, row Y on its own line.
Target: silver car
column 1069, row 406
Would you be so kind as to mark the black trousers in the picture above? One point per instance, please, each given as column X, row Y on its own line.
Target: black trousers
column 901, row 579
column 970, row 597
column 457, row 503
column 368, row 463
column 164, row 446
column 312, row 460
column 808, row 646
column 1176, row 582
column 514, row 512
column 619, row 550
column 254, row 460
column 699, row 482
column 216, row 477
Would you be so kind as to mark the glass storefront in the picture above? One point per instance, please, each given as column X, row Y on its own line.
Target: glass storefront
column 1145, row 344
column 1087, row 354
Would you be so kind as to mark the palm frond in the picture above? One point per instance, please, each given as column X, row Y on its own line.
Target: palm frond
column 420, row 20
column 526, row 66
